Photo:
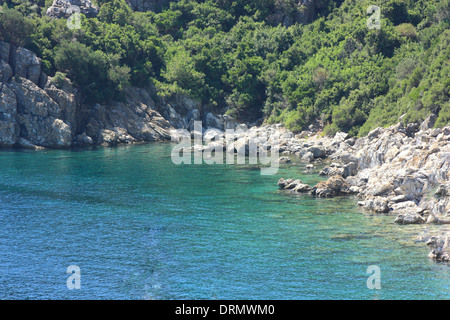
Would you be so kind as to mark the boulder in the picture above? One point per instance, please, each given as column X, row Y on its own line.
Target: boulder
column 432, row 219
column 331, row 171
column 211, row 121
column 399, row 198
column 213, row 135
column 282, row 183
column 334, row 186
column 293, row 184
column 409, row 217
column 440, row 248
column 375, row 204
column 308, row 157
column 340, row 136
column 443, row 190
column 284, row 160
column 350, row 169
column 83, row 139
column 428, row 123
column 302, row 187
column 317, row 152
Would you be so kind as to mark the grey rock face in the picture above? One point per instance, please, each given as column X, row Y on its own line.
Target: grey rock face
column 38, row 116
column 375, row 204
column 26, row 65
column 443, row 190
column 5, row 71
column 63, row 8
column 5, row 50
column 8, row 110
column 296, row 186
column 34, row 113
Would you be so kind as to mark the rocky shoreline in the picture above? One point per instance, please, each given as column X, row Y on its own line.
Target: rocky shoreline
column 400, row 170
column 38, row 111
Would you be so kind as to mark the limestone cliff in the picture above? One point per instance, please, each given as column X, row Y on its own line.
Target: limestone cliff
column 34, row 112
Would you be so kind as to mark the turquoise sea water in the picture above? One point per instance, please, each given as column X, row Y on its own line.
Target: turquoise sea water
column 140, row 227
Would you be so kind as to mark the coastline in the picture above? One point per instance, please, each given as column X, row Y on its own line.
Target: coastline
column 400, row 170
column 392, row 171
column 403, row 169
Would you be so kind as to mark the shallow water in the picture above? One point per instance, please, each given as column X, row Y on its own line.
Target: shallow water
column 140, row 227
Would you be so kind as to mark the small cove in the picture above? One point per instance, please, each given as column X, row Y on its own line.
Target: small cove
column 140, row 227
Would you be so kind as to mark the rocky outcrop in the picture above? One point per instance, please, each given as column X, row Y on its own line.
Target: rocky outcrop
column 147, row 5
column 440, row 248
column 334, row 186
column 65, row 8
column 375, row 204
column 29, row 117
column 34, row 113
column 345, row 170
column 409, row 218
column 134, row 120
column 402, row 170
column 295, row 185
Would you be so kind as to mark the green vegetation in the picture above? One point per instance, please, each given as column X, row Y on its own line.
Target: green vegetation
column 233, row 57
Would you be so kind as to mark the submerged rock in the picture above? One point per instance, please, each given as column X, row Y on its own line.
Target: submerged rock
column 282, row 183
column 440, row 248
column 284, row 160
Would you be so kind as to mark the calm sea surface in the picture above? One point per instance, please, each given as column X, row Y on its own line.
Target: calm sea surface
column 140, row 227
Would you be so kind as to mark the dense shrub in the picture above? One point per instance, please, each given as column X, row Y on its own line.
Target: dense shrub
column 234, row 58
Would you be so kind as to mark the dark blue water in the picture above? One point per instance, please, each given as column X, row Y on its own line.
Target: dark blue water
column 140, row 227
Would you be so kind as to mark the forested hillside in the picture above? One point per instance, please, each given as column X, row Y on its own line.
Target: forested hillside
column 290, row 61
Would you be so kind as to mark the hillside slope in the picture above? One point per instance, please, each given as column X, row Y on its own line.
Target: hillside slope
column 296, row 62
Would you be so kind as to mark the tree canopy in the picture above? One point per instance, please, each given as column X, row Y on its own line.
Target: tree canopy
column 234, row 58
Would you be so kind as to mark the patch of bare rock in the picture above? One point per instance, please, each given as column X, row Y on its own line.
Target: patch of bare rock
column 402, row 170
